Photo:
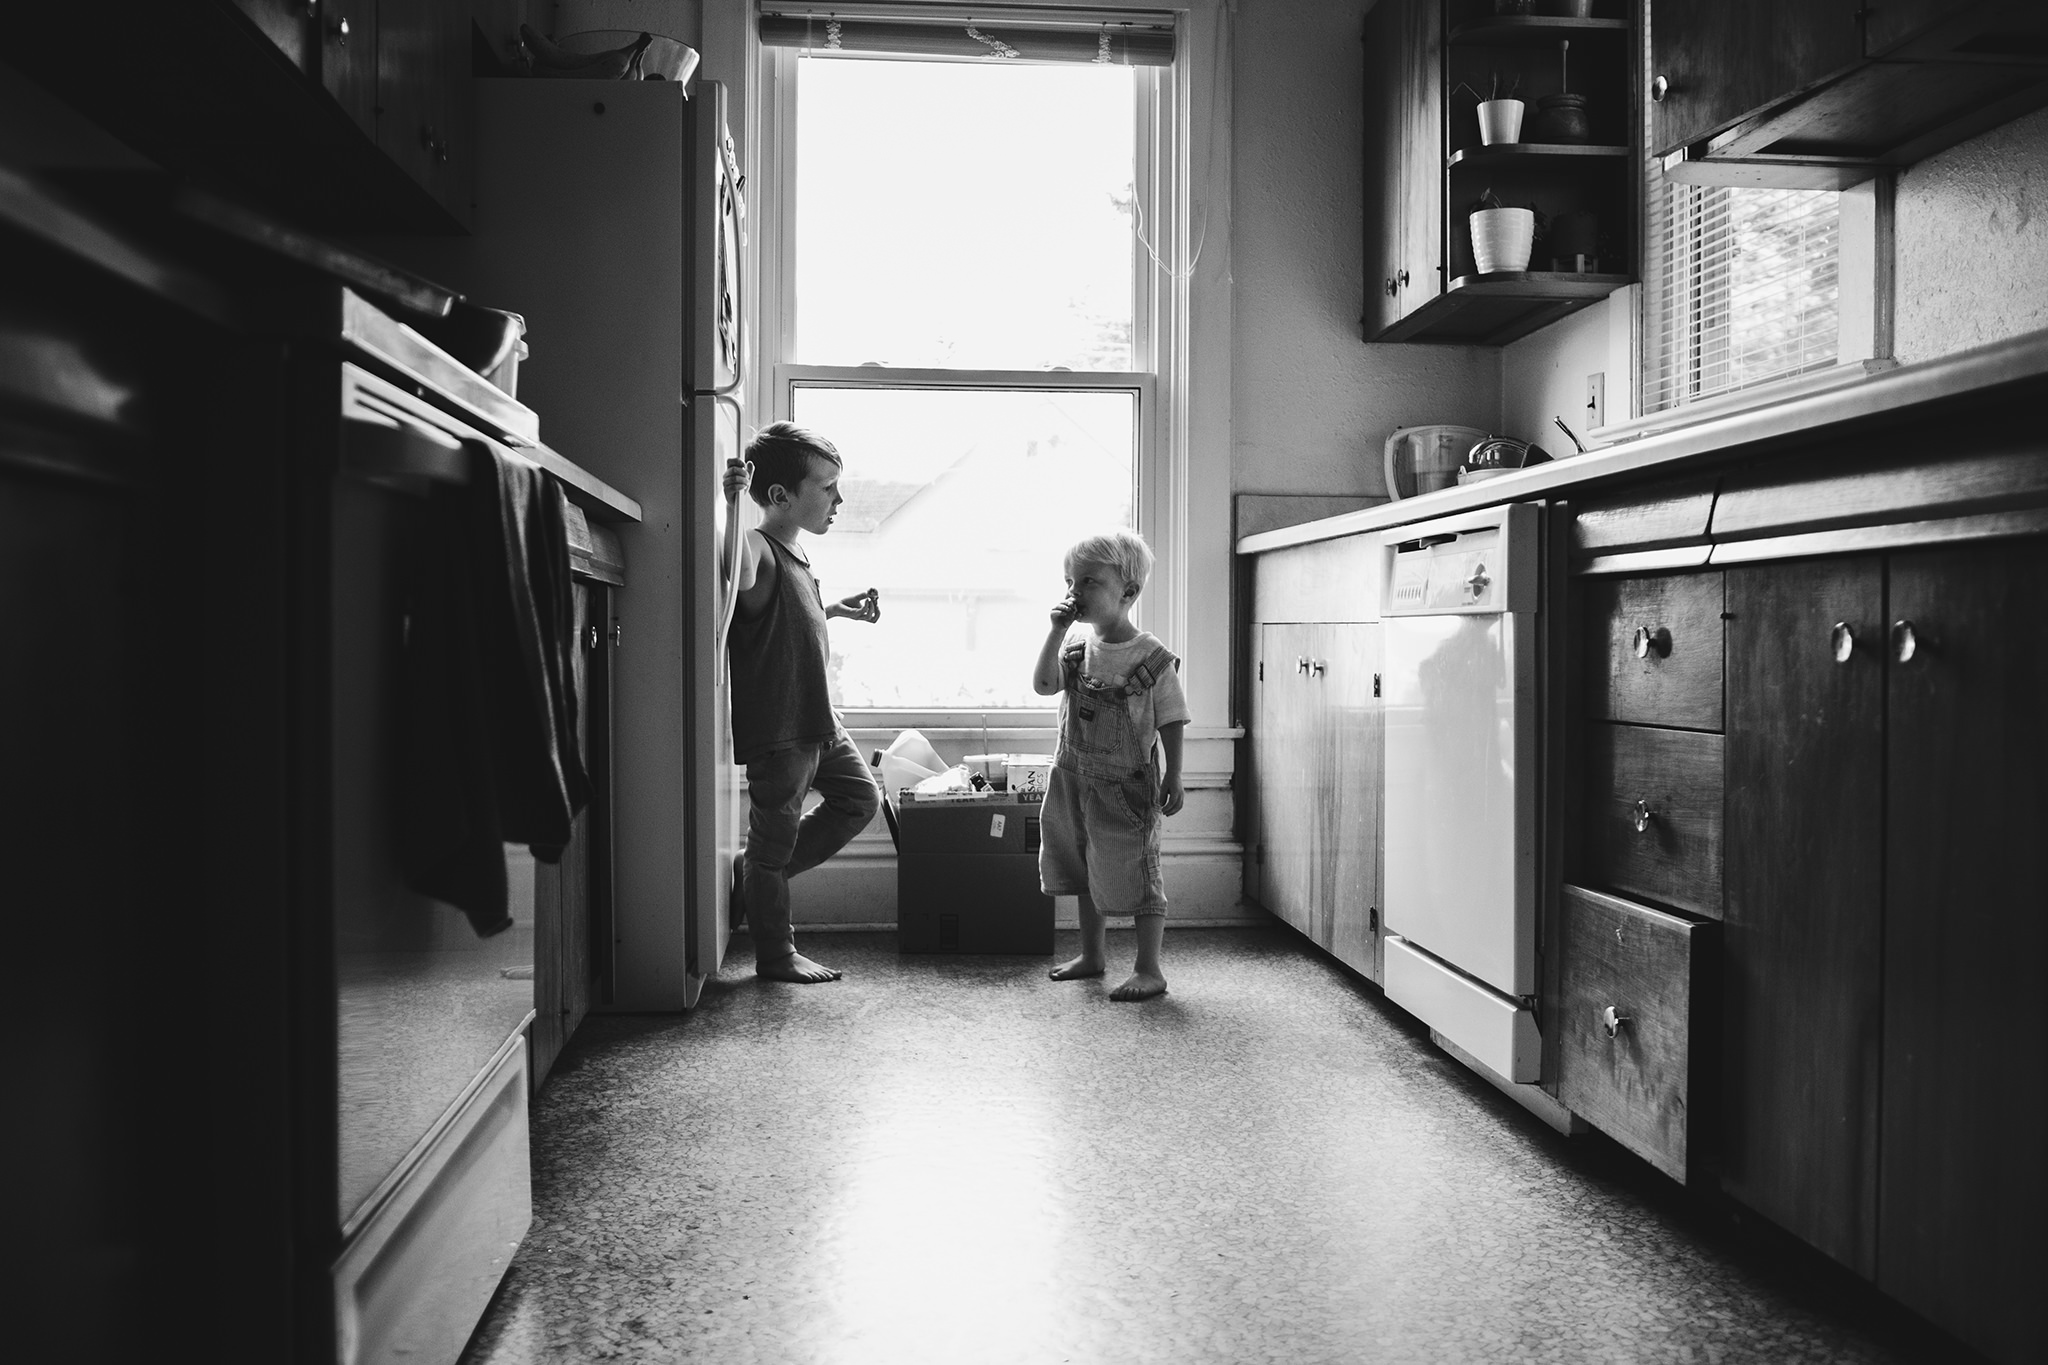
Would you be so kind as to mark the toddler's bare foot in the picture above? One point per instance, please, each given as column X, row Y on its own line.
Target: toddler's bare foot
column 798, row 969
column 1140, row 986
column 1076, row 970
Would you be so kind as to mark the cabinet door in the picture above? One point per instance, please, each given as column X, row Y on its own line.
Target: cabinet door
column 1421, row 156
column 1287, row 773
column 1385, row 176
column 1724, row 58
column 423, row 96
column 1349, row 753
column 1964, row 1192
column 1803, row 900
column 347, row 44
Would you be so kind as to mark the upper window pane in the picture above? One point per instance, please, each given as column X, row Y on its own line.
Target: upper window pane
column 965, row 215
column 960, row 506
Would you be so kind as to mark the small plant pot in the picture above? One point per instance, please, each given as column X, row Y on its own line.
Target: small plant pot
column 1514, row 6
column 1502, row 239
column 1561, row 119
column 1500, row 121
column 1572, row 9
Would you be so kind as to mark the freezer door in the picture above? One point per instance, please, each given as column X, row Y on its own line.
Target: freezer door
column 1460, row 696
column 718, row 221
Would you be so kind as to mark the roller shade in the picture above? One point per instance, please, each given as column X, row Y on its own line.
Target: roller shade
column 991, row 32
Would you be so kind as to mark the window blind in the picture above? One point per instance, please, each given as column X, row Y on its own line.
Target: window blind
column 1740, row 286
column 992, row 32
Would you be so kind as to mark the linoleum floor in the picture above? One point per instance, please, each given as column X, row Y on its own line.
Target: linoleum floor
column 957, row 1160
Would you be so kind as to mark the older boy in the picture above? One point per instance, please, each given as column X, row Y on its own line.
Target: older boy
column 783, row 726
column 1118, row 688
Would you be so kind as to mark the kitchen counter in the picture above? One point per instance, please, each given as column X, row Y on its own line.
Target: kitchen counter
column 1959, row 385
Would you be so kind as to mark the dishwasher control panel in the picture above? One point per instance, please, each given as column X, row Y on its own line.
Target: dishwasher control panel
column 1477, row 563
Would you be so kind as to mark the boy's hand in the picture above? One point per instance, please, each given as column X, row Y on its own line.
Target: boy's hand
column 1171, row 797
column 739, row 475
column 1064, row 612
column 862, row 606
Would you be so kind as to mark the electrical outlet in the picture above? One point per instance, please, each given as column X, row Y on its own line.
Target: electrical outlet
column 1596, row 400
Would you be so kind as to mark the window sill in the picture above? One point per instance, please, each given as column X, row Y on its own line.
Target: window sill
column 1742, row 400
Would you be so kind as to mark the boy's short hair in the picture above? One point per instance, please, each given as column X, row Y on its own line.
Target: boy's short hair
column 781, row 453
column 1125, row 551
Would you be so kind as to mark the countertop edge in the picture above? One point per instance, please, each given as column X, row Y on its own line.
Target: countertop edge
column 1892, row 393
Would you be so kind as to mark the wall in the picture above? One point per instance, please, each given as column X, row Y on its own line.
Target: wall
column 1972, row 268
column 1973, row 242
column 1312, row 403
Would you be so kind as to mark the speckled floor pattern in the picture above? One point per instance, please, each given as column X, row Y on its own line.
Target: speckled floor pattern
column 957, row 1160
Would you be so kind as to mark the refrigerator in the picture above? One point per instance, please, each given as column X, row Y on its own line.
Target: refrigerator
column 609, row 214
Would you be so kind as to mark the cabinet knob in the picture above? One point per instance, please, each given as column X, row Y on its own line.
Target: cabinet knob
column 1392, row 288
column 1905, row 643
column 1315, row 668
column 1613, row 1021
column 1403, row 278
column 1301, row 665
column 1642, row 815
column 338, row 28
column 1842, row 641
column 1659, row 88
column 1650, row 641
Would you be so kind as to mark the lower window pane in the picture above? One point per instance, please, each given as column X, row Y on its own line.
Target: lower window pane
column 959, row 506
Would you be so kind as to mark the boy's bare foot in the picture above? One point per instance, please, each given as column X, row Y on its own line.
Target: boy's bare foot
column 1140, row 986
column 798, row 969
column 1076, row 970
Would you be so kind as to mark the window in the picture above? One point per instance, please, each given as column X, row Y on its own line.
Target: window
column 1743, row 288
column 969, row 310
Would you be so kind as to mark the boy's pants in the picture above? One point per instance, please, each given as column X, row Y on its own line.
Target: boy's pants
column 782, row 840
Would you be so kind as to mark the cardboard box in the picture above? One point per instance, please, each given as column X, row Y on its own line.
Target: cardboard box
column 967, row 874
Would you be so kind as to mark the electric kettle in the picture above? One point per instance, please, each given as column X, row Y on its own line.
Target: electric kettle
column 1425, row 459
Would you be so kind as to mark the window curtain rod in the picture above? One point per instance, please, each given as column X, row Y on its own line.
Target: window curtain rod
column 994, row 32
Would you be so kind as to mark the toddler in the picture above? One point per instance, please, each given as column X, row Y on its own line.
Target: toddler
column 1119, row 687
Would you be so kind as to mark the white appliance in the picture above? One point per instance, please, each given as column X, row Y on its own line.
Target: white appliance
column 1459, row 613
column 609, row 214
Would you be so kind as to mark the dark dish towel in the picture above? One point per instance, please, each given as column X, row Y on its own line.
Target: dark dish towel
column 488, row 734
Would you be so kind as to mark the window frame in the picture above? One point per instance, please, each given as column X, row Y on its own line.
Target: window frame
column 1160, row 350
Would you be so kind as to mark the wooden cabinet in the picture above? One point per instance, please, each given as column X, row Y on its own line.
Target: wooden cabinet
column 572, row 898
column 1964, row 1116
column 1821, row 95
column 1802, row 934
column 1425, row 168
column 341, row 115
column 1317, row 748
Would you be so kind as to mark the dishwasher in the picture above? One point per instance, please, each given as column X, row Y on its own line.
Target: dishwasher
column 1460, row 618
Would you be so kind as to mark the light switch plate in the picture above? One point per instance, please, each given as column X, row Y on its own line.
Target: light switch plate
column 1596, row 400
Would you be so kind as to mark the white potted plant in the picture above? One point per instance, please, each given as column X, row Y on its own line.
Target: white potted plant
column 1500, row 113
column 1502, row 237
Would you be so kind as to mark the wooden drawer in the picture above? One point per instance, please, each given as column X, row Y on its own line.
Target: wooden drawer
column 1328, row 580
column 1676, row 776
column 1653, row 650
column 1638, row 1082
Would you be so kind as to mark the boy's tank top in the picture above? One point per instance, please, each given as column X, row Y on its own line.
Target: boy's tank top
column 778, row 665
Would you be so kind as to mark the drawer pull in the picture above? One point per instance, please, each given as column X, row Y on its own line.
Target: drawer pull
column 1842, row 640
column 1613, row 1022
column 1643, row 815
column 1650, row 641
column 1905, row 643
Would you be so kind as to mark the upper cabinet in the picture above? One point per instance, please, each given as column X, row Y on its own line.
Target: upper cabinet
column 343, row 115
column 1823, row 94
column 1483, row 102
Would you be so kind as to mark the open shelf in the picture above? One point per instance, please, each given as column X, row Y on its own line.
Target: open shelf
column 1530, row 30
column 1511, row 152
column 1494, row 309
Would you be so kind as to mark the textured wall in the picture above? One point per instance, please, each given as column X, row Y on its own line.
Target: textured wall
column 1312, row 404
column 1973, row 242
